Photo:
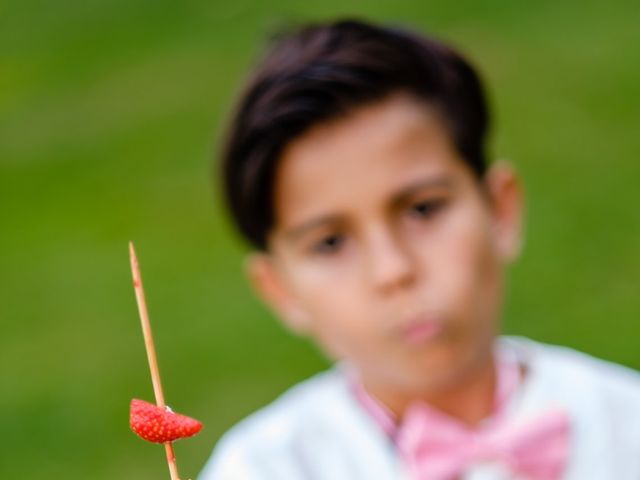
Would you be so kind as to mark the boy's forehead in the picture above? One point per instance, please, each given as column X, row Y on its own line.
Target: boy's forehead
column 377, row 150
column 398, row 122
column 392, row 135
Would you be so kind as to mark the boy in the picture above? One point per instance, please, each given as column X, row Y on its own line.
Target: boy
column 356, row 168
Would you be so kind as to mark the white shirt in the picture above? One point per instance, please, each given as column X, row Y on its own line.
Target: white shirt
column 319, row 431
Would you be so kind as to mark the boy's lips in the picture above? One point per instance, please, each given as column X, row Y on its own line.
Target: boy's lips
column 420, row 329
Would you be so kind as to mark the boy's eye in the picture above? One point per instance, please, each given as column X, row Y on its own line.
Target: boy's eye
column 426, row 208
column 328, row 244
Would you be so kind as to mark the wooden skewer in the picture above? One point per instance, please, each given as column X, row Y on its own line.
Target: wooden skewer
column 151, row 352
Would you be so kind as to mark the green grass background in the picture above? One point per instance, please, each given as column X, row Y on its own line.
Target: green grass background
column 110, row 112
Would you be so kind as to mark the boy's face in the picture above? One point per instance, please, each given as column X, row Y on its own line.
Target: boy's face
column 386, row 250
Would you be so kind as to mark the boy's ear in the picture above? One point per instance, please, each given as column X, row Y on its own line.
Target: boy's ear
column 507, row 203
column 267, row 280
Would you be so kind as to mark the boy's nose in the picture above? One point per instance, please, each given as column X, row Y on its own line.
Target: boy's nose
column 391, row 264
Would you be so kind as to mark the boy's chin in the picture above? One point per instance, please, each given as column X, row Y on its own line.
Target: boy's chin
column 442, row 368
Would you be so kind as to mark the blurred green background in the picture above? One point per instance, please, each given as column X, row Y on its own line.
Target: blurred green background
column 110, row 111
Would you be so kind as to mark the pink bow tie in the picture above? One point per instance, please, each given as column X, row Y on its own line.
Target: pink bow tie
column 438, row 448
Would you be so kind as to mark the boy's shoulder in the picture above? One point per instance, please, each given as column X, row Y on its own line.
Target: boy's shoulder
column 301, row 423
column 566, row 372
column 299, row 407
column 566, row 360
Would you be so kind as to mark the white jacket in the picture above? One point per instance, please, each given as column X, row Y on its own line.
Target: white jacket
column 318, row 430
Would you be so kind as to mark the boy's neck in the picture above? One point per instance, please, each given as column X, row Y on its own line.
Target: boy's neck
column 470, row 398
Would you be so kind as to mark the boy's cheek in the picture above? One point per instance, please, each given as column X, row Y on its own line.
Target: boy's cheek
column 468, row 282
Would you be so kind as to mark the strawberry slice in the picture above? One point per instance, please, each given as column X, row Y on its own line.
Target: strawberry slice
column 160, row 425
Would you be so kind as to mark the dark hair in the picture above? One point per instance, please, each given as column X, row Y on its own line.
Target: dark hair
column 320, row 71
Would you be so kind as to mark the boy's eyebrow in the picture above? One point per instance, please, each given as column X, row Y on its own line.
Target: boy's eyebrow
column 295, row 232
column 425, row 184
column 441, row 182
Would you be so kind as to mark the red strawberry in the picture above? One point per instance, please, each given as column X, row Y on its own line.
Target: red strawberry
column 160, row 425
